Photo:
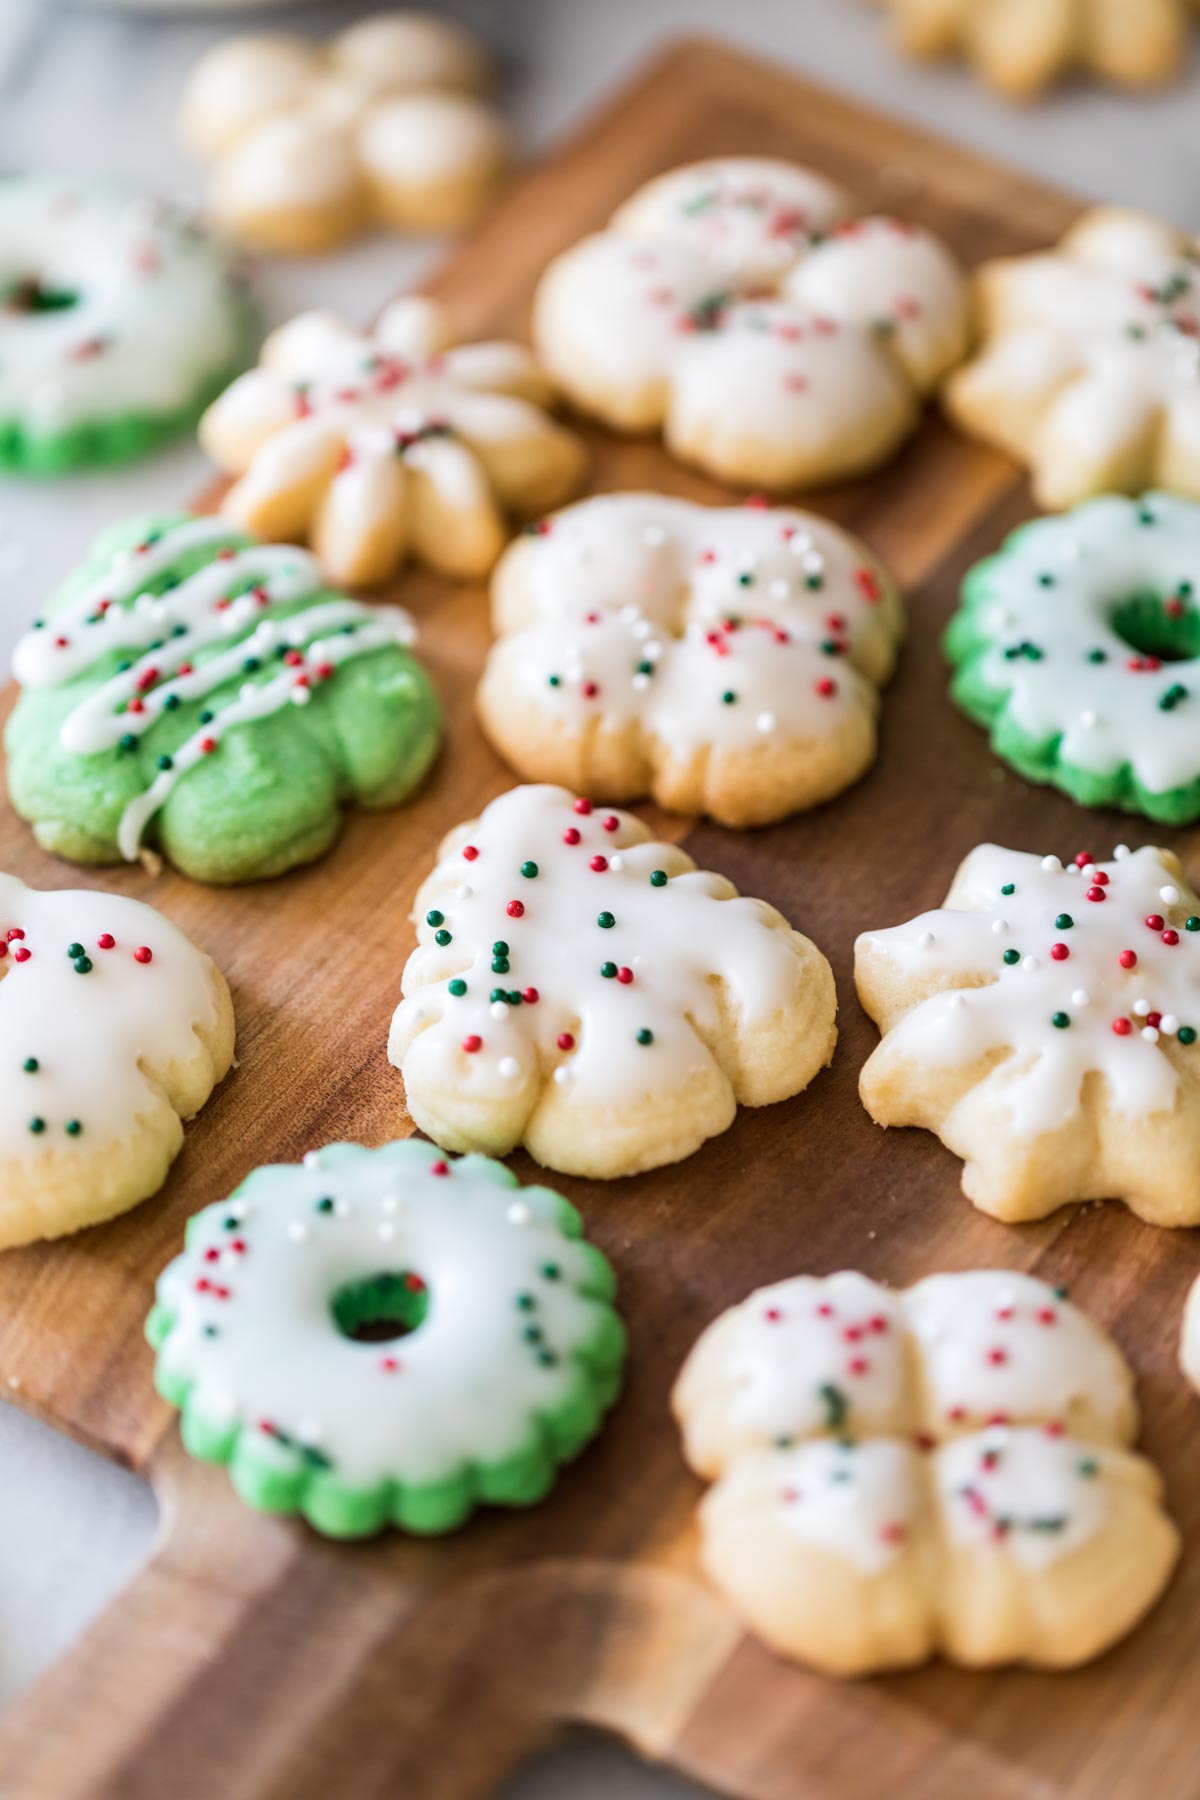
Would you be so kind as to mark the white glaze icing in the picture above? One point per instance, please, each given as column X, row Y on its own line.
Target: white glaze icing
column 162, row 635
column 1039, row 1080
column 679, row 952
column 858, row 1501
column 152, row 315
column 462, row 1388
column 1051, row 597
column 1035, row 1496
column 102, row 1028
column 623, row 606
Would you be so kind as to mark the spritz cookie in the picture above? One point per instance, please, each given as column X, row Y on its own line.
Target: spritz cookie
column 382, row 1337
column 311, row 145
column 725, row 661
column 1043, row 1023
column 1022, row 49
column 1089, row 371
column 114, row 1028
column 1078, row 646
column 940, row 1469
column 591, row 994
column 376, row 447
column 119, row 320
column 196, row 693
column 741, row 307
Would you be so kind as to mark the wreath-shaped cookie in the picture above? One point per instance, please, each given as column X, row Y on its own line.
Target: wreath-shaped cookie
column 593, row 995
column 114, row 1028
column 192, row 690
column 942, row 1468
column 725, row 661
column 743, row 308
column 1090, row 365
column 1078, row 646
column 397, row 443
column 382, row 1337
column 1044, row 1024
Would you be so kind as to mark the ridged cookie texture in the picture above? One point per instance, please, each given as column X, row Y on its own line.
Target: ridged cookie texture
column 742, row 307
column 382, row 1337
column 1044, row 1024
column 940, row 1469
column 724, row 660
column 200, row 693
column 114, row 1029
column 591, row 994
column 395, row 444
column 1089, row 369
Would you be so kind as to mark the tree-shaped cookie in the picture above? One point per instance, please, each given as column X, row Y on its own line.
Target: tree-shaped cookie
column 723, row 660
column 399, row 442
column 114, row 1028
column 1044, row 1023
column 1090, row 365
column 944, row 1468
column 1023, row 49
column 590, row 993
column 741, row 307
column 196, row 691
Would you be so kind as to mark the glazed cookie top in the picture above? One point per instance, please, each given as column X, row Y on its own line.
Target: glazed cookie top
column 559, row 940
column 1066, row 972
column 100, row 997
column 110, row 305
column 711, row 625
column 1085, row 630
column 501, row 1311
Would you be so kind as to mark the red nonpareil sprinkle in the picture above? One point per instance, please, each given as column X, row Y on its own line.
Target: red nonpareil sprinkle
column 1100, row 878
column 227, row 554
column 852, row 1333
column 184, row 669
column 1059, row 952
column 708, row 556
column 868, row 584
column 565, row 1041
column 472, row 1044
column 611, row 822
column 3, row 947
column 212, row 1254
column 22, row 955
column 583, row 806
column 136, row 706
column 1005, row 1312
column 325, row 671
column 143, row 954
column 893, row 1532
column 956, row 1414
column 530, row 996
column 469, row 853
column 589, row 690
column 570, row 835
column 1154, row 921
column 60, row 643
column 1096, row 893
column 1054, row 1428
column 389, row 1364
column 757, row 502
column 439, row 1168
column 1128, row 959
column 835, row 622
column 414, row 1283
column 878, row 1324
column 106, row 941
column 1170, row 937
column 796, row 383
column 858, row 1365
column 625, row 976
column 515, row 909
column 238, row 1246
column 997, row 1356
column 598, row 864
column 772, row 1315
column 824, row 1311
column 292, row 658
column 1122, row 1027
column 1154, row 1019
column 1084, row 859
column 208, row 745
column 147, row 679
column 826, row 687
column 925, row 1440
column 14, row 931
column 1046, row 1315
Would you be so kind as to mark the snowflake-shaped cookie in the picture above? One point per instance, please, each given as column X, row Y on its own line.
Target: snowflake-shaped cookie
column 590, row 993
column 1090, row 367
column 775, row 338
column 1022, row 49
column 724, row 661
column 376, row 447
column 942, row 1468
column 1044, row 1023
column 114, row 1028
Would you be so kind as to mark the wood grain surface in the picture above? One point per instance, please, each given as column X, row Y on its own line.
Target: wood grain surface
column 251, row 1660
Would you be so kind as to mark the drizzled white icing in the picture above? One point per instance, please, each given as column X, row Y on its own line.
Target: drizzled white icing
column 1003, row 972
column 513, row 1312
column 718, row 305
column 591, row 956
column 110, row 306
column 182, row 644
column 87, row 1041
column 1047, row 608
column 857, row 1501
column 693, row 626
column 391, row 442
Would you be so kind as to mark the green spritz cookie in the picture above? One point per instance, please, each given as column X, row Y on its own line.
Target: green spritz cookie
column 1078, row 646
column 387, row 1337
column 119, row 321
column 192, row 690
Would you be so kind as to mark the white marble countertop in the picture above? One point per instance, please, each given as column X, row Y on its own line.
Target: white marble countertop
column 91, row 89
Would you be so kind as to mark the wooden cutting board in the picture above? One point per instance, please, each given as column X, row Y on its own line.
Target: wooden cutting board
column 251, row 1658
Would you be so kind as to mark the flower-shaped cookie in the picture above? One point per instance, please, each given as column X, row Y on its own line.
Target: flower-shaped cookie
column 114, row 1028
column 1090, row 366
column 741, row 307
column 593, row 995
column 1022, row 49
column 1044, row 1023
column 943, row 1468
column 395, row 443
column 724, row 661
column 311, row 145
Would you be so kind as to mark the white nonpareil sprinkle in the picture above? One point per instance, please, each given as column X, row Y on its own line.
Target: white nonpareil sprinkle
column 509, row 1067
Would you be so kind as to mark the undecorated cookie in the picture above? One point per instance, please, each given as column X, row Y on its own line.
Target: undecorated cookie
column 742, row 308
column 1044, row 1024
column 591, row 994
column 942, row 1468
